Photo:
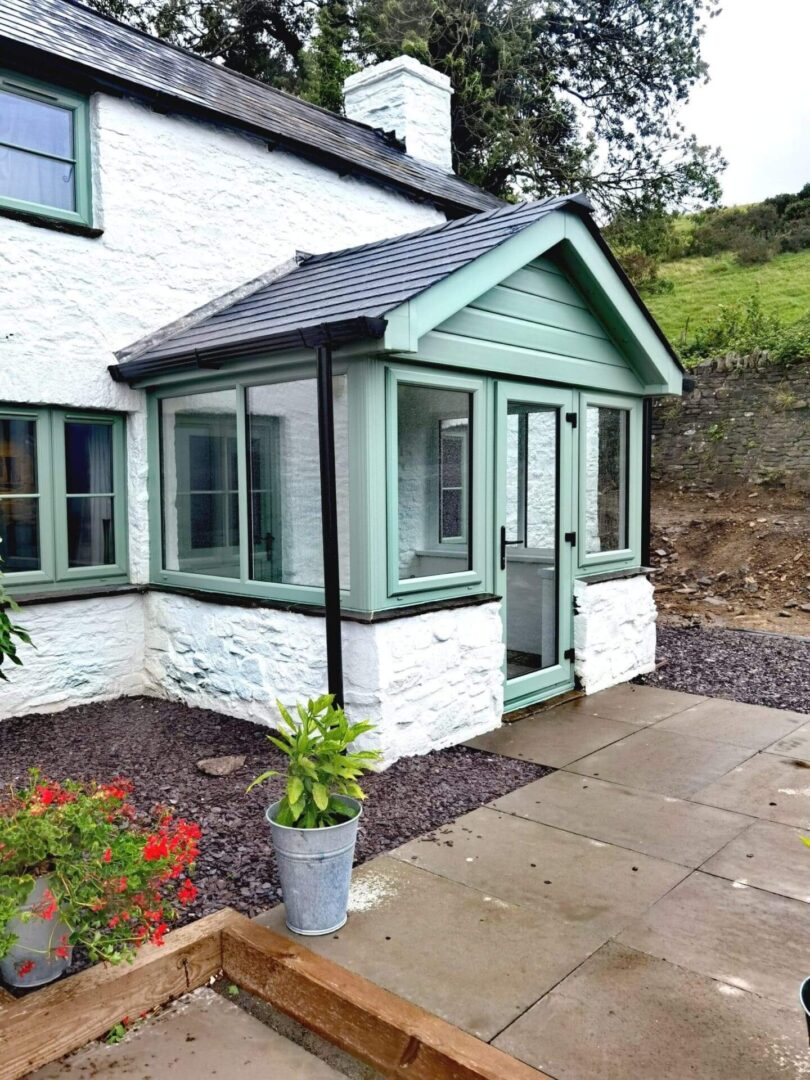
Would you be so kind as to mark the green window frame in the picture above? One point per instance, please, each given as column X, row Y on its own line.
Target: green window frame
column 55, row 501
column 440, row 585
column 78, row 160
column 629, row 554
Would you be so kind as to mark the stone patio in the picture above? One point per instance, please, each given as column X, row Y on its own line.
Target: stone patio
column 641, row 912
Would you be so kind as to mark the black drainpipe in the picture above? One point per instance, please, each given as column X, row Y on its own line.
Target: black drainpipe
column 331, row 564
column 646, row 479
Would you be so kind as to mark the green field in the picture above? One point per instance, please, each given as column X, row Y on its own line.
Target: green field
column 702, row 285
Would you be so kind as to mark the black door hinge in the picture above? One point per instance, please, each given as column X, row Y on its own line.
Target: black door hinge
column 569, row 654
column 571, row 417
column 570, row 538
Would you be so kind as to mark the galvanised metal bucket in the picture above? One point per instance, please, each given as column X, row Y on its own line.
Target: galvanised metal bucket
column 315, row 867
column 36, row 941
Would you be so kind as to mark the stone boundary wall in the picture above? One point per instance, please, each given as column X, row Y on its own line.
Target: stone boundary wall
column 745, row 422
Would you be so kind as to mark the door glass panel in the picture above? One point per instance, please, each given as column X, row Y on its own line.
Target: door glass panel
column 606, row 505
column 434, row 428
column 532, row 450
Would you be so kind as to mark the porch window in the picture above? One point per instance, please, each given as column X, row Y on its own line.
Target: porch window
column 62, row 500
column 240, row 489
column 44, row 150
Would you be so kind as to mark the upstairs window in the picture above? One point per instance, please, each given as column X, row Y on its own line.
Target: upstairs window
column 44, row 150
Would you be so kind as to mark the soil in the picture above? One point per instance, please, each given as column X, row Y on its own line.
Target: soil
column 753, row 666
column 157, row 744
column 732, row 558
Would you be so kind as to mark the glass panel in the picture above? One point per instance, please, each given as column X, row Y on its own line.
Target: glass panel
column 433, row 480
column 18, row 457
column 285, row 481
column 200, row 484
column 19, row 535
column 531, row 534
column 88, row 458
column 36, row 125
column 606, row 479
column 91, row 536
column 36, row 179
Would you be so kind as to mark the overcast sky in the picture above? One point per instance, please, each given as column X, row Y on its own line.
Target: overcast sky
column 757, row 104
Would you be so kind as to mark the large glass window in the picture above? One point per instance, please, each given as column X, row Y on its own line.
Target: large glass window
column 434, row 493
column 62, row 515
column 606, row 479
column 241, row 486
column 43, row 149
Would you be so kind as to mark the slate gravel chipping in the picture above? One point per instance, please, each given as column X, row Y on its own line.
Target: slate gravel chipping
column 758, row 668
column 157, row 744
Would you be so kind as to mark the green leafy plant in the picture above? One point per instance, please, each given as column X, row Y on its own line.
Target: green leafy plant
column 9, row 630
column 320, row 767
column 114, row 880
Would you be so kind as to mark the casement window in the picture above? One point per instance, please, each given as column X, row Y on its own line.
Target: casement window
column 62, row 497
column 436, row 448
column 240, row 489
column 610, row 485
column 44, row 150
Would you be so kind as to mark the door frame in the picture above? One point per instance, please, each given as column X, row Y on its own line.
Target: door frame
column 527, row 689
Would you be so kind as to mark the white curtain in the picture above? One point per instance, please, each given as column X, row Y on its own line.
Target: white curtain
column 34, row 125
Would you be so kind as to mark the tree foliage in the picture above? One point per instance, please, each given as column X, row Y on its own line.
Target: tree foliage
column 553, row 97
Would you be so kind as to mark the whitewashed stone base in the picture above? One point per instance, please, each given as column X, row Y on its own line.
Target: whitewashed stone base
column 85, row 650
column 614, row 631
column 425, row 681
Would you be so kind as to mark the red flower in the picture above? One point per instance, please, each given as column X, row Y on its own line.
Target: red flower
column 49, row 910
column 107, row 855
column 122, row 885
column 62, row 951
column 155, row 848
column 187, row 893
column 25, row 968
column 46, row 794
column 159, row 933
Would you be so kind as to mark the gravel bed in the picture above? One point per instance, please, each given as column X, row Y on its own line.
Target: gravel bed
column 760, row 668
column 157, row 744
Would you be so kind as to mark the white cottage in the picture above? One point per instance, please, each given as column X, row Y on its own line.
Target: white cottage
column 243, row 458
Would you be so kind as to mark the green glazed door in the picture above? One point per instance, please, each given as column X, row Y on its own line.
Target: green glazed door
column 534, row 504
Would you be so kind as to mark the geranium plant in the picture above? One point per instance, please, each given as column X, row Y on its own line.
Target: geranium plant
column 113, row 879
column 320, row 765
column 9, row 629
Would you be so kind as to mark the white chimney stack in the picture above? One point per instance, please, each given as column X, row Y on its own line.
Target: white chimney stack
column 408, row 98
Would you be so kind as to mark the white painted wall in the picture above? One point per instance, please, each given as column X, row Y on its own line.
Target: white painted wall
column 614, row 631
column 426, row 681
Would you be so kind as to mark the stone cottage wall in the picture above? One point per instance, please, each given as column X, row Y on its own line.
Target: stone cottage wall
column 614, row 631
column 745, row 422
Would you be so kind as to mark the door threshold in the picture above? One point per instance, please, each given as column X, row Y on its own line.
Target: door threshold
column 520, row 713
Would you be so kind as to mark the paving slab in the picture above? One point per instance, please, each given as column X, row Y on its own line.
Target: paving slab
column 796, row 745
column 766, row 786
column 555, row 738
column 740, row 935
column 626, row 1015
column 633, row 704
column 570, row 878
column 662, row 761
column 751, row 726
column 768, row 856
column 658, row 825
column 199, row 1035
column 465, row 955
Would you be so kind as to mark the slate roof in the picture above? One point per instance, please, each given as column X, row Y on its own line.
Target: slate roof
column 93, row 44
column 338, row 296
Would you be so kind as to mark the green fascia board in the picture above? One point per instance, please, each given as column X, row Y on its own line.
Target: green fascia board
column 580, row 256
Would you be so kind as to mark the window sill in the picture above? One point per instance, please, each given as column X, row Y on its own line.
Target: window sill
column 43, row 221
column 74, row 592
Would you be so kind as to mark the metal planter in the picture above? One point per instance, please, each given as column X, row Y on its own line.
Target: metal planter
column 315, row 867
column 36, row 941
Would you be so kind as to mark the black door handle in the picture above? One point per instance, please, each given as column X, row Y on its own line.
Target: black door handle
column 504, row 544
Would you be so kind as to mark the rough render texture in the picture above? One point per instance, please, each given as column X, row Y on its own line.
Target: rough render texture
column 408, row 98
column 426, row 681
column 176, row 235
column 614, row 631
column 86, row 650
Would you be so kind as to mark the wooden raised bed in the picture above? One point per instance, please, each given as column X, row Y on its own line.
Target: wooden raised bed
column 395, row 1037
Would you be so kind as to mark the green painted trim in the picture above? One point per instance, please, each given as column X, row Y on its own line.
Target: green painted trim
column 629, row 556
column 79, row 105
column 52, row 501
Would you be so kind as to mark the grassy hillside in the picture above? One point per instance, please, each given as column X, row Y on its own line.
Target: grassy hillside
column 701, row 284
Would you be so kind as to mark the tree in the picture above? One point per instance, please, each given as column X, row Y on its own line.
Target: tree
column 549, row 97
